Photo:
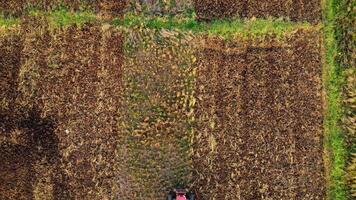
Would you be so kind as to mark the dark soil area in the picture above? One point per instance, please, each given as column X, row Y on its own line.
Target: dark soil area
column 16, row 172
column 27, row 143
column 10, row 64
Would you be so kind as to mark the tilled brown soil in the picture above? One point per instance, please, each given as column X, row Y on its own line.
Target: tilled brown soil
column 16, row 174
column 78, row 83
column 10, row 63
column 296, row 10
column 124, row 129
column 259, row 120
column 71, row 75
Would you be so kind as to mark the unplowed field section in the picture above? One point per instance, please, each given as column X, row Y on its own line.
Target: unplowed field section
column 154, row 117
column 259, row 122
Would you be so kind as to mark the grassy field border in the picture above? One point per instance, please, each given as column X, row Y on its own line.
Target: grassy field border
column 222, row 27
column 334, row 78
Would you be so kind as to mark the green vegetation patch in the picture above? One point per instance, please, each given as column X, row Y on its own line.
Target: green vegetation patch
column 223, row 27
column 7, row 22
column 56, row 18
column 63, row 17
column 334, row 78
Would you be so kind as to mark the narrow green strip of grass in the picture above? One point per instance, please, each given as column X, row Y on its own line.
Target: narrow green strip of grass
column 7, row 22
column 63, row 17
column 223, row 27
column 333, row 81
column 254, row 27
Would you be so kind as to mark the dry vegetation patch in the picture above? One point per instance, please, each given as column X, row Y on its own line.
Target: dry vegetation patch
column 160, row 7
column 156, row 111
column 349, row 123
column 107, row 8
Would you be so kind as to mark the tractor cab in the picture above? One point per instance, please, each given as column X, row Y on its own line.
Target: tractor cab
column 180, row 194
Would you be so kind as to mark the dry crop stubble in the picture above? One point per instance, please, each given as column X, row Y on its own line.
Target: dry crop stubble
column 105, row 8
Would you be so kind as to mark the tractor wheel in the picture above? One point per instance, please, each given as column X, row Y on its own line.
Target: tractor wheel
column 170, row 197
column 191, row 196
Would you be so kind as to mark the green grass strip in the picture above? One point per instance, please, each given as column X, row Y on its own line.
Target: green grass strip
column 223, row 27
column 7, row 22
column 63, row 17
column 333, row 81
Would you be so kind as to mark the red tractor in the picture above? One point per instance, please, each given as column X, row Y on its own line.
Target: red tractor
column 180, row 194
